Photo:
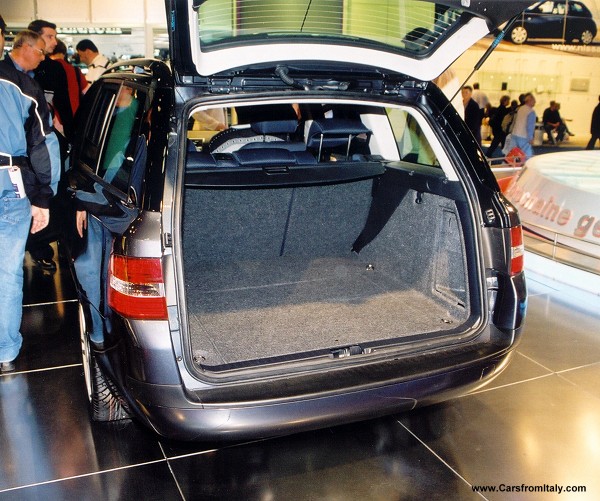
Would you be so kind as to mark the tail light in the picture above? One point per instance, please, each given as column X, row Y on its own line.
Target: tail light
column 517, row 250
column 136, row 288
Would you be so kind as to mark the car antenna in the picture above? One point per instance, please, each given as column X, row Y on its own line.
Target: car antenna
column 485, row 55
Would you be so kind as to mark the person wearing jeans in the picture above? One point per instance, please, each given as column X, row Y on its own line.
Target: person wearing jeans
column 29, row 169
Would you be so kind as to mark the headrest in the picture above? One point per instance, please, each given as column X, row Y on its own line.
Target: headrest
column 275, row 127
column 337, row 126
column 334, row 132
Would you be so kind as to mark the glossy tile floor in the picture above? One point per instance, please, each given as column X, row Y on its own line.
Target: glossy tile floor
column 535, row 427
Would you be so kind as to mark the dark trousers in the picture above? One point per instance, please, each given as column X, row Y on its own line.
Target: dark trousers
column 595, row 137
column 497, row 140
column 560, row 132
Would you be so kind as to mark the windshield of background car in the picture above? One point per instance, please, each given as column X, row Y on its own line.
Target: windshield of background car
column 406, row 26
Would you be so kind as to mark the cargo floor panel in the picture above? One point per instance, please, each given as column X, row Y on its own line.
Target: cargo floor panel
column 249, row 310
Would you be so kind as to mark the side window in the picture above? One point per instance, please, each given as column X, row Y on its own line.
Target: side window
column 412, row 144
column 93, row 112
column 203, row 125
column 575, row 9
column 124, row 145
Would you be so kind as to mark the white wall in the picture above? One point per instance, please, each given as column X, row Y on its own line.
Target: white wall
column 78, row 12
column 142, row 16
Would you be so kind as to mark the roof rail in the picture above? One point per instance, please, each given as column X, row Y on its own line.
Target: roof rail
column 141, row 66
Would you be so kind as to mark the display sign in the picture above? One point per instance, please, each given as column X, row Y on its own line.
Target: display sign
column 559, row 192
column 93, row 31
column 81, row 30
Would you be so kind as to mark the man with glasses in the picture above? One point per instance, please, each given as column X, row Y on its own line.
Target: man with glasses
column 29, row 171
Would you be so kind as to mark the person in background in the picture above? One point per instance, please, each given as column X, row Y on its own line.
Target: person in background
column 76, row 82
column 499, row 136
column 524, row 127
column 90, row 56
column 211, row 119
column 52, row 77
column 486, row 129
column 2, row 36
column 480, row 97
column 77, row 86
column 554, row 123
column 472, row 113
column 29, row 169
column 594, row 127
column 567, row 131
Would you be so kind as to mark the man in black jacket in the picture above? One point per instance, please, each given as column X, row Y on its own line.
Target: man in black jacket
column 473, row 114
column 499, row 135
column 594, row 127
column 52, row 77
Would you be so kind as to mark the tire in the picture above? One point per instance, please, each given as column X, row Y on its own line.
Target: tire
column 106, row 404
column 519, row 35
column 86, row 356
column 587, row 37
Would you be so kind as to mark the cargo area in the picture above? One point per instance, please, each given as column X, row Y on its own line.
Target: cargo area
column 275, row 273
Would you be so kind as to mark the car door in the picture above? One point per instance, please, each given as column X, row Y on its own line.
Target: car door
column 109, row 156
column 411, row 37
column 545, row 20
column 576, row 20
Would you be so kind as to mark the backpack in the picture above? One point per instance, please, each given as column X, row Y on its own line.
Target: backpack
column 508, row 122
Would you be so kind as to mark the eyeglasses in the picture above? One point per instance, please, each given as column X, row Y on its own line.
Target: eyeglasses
column 41, row 51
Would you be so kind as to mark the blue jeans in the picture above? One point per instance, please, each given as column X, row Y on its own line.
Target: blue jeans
column 15, row 220
column 91, row 268
column 523, row 143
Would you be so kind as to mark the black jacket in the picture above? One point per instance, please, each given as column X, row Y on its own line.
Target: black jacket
column 52, row 77
column 595, row 127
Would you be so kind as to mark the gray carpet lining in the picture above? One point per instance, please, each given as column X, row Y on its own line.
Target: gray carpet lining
column 269, row 272
column 246, row 310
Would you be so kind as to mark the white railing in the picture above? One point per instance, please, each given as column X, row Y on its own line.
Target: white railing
column 562, row 248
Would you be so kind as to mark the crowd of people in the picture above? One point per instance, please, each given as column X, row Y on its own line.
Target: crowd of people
column 513, row 123
column 40, row 92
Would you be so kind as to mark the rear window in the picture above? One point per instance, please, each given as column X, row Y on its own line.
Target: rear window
column 409, row 26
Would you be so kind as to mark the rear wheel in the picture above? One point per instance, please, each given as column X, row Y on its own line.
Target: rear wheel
column 519, row 35
column 586, row 37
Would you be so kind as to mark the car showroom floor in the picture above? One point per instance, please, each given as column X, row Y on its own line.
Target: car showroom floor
column 535, row 428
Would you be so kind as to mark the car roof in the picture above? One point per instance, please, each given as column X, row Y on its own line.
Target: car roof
column 419, row 38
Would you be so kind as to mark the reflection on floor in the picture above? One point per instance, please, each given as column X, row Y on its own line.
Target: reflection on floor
column 534, row 430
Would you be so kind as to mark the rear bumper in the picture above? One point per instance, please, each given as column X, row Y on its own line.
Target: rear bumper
column 181, row 419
